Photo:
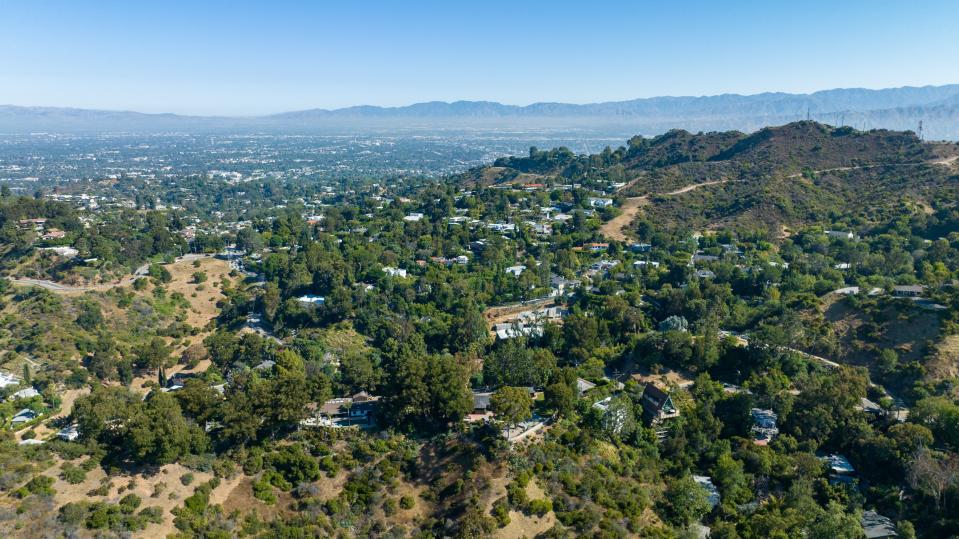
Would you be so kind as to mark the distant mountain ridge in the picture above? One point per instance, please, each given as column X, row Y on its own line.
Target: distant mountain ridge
column 892, row 108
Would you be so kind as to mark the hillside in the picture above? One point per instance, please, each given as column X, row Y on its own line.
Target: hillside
column 778, row 176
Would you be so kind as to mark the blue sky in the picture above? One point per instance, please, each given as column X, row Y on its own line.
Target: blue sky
column 243, row 57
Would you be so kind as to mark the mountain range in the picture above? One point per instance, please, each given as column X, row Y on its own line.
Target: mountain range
column 893, row 108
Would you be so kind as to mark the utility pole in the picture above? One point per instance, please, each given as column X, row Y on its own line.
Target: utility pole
column 920, row 129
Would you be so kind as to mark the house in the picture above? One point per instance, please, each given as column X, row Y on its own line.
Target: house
column 657, row 404
column 597, row 247
column 311, row 299
column 764, row 427
column 502, row 227
column 702, row 259
column 641, row 247
column 604, row 265
column 842, row 266
column 481, row 403
column 582, row 386
column 516, row 271
column 265, row 365
column 481, row 406
column 614, row 417
column 597, row 202
column 413, row 217
column 344, row 411
column 877, row 526
column 394, row 272
column 908, row 291
column 840, row 469
column 869, row 407
column 707, row 483
column 27, row 393
column 509, row 330
column 841, row 234
column 70, row 433
column 65, row 252
column 8, row 380
column 704, row 274
column 645, row 263
column 560, row 286
column 23, row 416
column 54, row 234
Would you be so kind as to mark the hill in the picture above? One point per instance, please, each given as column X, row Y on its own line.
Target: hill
column 788, row 175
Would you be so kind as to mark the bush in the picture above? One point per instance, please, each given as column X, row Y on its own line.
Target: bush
column 407, row 502
column 540, row 507
column 130, row 503
column 40, row 485
column 263, row 490
column 390, row 507
column 72, row 474
column 186, row 479
column 500, row 512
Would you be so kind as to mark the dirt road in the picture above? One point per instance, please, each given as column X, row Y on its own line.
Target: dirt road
column 615, row 228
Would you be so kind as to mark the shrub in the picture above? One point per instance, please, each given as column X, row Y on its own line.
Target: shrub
column 500, row 512
column 407, row 502
column 130, row 503
column 540, row 507
column 186, row 479
column 390, row 507
column 40, row 485
column 72, row 474
column 263, row 490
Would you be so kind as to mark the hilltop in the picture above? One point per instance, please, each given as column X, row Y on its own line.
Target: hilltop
column 778, row 176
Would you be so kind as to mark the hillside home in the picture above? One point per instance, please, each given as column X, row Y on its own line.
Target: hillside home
column 311, row 299
column 658, row 405
column 516, row 271
column 597, row 202
column 908, row 291
column 707, row 483
column 27, row 393
column 877, row 526
column 840, row 234
column 23, row 416
column 394, row 272
column 764, row 427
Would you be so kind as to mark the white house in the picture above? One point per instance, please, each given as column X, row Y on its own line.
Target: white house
column 311, row 299
column 516, row 271
column 413, row 217
column 600, row 202
column 27, row 393
column 394, row 272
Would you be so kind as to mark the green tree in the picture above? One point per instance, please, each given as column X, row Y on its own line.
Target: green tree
column 511, row 405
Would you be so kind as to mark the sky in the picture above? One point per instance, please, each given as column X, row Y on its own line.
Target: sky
column 243, row 57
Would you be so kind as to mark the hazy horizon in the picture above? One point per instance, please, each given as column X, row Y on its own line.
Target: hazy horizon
column 250, row 59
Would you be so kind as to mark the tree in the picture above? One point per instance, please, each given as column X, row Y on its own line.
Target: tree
column 155, row 354
column 834, row 522
column 515, row 364
column 511, row 405
column 933, row 474
column 685, row 501
column 941, row 416
column 159, row 434
column 561, row 397
column 199, row 277
column 447, row 379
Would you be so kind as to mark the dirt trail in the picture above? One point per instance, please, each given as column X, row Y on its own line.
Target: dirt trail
column 944, row 161
column 615, row 228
